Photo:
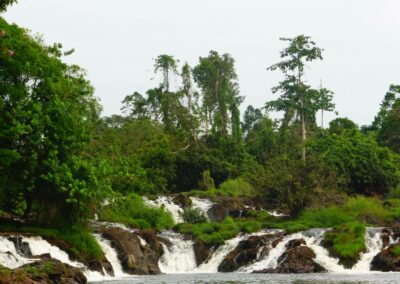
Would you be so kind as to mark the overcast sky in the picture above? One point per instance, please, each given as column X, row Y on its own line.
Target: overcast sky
column 116, row 40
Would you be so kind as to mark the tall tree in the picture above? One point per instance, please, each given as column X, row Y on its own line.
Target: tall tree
column 297, row 99
column 216, row 77
column 386, row 105
column 5, row 3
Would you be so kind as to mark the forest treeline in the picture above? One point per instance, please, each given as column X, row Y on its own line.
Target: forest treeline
column 59, row 159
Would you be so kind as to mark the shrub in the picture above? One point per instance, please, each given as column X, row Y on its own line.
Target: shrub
column 193, row 216
column 366, row 209
column 236, row 187
column 326, row 217
column 132, row 211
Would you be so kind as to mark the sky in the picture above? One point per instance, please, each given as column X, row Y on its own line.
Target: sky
column 116, row 42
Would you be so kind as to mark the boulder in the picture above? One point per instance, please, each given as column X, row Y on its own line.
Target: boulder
column 154, row 241
column 93, row 264
column 396, row 230
column 43, row 271
column 182, row 200
column 21, row 247
column 299, row 259
column 247, row 251
column 386, row 260
column 217, row 213
column 135, row 257
column 201, row 251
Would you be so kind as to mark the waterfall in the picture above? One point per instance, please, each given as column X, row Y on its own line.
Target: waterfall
column 169, row 206
column 111, row 255
column 9, row 256
column 179, row 256
column 211, row 266
column 374, row 245
column 201, row 204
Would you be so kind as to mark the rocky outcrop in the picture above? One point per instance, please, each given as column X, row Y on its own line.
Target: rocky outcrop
column 247, row 251
column 135, row 257
column 201, row 251
column 93, row 264
column 297, row 258
column 182, row 200
column 44, row 271
column 20, row 246
column 387, row 260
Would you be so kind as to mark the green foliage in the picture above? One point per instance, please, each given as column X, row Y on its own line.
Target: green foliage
column 235, row 188
column 47, row 113
column 396, row 250
column 132, row 211
column 5, row 3
column 193, row 216
column 368, row 210
column 213, row 234
column 326, row 217
column 362, row 166
column 348, row 241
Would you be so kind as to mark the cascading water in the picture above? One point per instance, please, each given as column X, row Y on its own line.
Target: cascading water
column 111, row 256
column 211, row 266
column 179, row 256
column 169, row 205
column 374, row 244
column 202, row 204
column 9, row 257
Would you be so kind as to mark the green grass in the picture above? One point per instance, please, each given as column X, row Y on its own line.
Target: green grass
column 133, row 212
column 346, row 241
column 396, row 250
column 230, row 188
column 82, row 245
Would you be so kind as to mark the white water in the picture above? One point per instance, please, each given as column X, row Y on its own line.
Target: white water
column 9, row 256
column 169, row 205
column 111, row 256
column 202, row 204
column 211, row 266
column 179, row 257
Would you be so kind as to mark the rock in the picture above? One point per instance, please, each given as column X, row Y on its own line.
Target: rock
column 385, row 237
column 201, row 251
column 299, row 259
column 246, row 252
column 295, row 243
column 396, row 230
column 386, row 260
column 21, row 247
column 135, row 258
column 217, row 213
column 182, row 200
column 150, row 236
column 43, row 271
column 92, row 264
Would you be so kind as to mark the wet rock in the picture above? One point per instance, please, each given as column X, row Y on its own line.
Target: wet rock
column 43, row 271
column 135, row 258
column 182, row 200
column 386, row 260
column 299, row 259
column 246, row 252
column 396, row 230
column 154, row 241
column 217, row 213
column 385, row 237
column 21, row 247
column 201, row 251
column 92, row 264
column 295, row 243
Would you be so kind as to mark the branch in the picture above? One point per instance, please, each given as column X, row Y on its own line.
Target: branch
column 182, row 149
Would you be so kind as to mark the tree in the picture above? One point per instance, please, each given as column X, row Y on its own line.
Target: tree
column 216, row 77
column 47, row 113
column 389, row 132
column 386, row 105
column 5, row 3
column 192, row 106
column 298, row 99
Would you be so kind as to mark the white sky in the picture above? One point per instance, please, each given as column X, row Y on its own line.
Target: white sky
column 116, row 40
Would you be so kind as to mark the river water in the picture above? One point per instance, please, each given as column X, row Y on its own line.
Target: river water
column 243, row 278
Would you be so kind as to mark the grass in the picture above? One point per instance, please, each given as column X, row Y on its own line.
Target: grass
column 230, row 188
column 396, row 250
column 133, row 212
column 346, row 242
column 82, row 245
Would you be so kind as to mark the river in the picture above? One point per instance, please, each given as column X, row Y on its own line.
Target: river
column 244, row 278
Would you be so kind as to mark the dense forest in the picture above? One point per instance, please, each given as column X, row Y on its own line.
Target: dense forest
column 62, row 163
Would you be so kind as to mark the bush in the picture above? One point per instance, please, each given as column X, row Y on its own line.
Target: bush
column 347, row 242
column 193, row 216
column 369, row 210
column 326, row 217
column 236, row 187
column 132, row 211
